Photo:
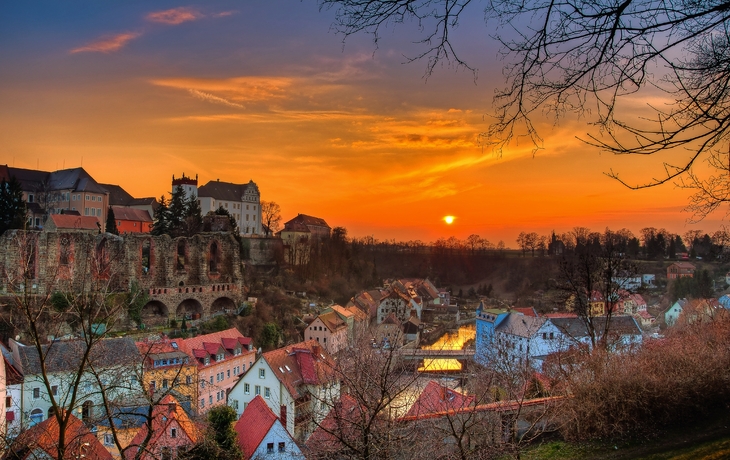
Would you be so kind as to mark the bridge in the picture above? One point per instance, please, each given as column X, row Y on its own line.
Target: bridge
column 420, row 354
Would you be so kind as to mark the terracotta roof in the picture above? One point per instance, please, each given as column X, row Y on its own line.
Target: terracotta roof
column 203, row 345
column 306, row 220
column 162, row 349
column 12, row 376
column 528, row 311
column 438, row 398
column 76, row 222
column 359, row 314
column 133, row 214
column 255, row 422
column 342, row 311
column 301, row 363
column 45, row 436
column 683, row 265
column 391, row 319
column 500, row 406
column 167, row 412
column 332, row 321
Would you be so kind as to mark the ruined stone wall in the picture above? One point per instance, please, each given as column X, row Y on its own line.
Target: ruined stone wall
column 264, row 251
column 205, row 268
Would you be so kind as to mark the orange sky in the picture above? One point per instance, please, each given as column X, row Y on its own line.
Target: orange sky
column 235, row 92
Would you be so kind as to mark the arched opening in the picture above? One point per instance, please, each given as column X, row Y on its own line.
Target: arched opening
column 190, row 308
column 87, row 411
column 213, row 259
column 222, row 304
column 51, row 412
column 154, row 313
column 146, row 257
column 36, row 416
column 181, row 255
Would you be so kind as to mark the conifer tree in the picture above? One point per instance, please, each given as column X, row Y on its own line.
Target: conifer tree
column 161, row 225
column 12, row 206
column 111, row 222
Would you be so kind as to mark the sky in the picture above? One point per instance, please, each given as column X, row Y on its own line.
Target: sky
column 139, row 91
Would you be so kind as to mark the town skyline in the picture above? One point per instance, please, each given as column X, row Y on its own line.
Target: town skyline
column 351, row 134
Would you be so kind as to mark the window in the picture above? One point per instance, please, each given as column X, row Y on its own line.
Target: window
column 108, row 439
column 164, row 383
column 173, row 432
column 8, row 401
column 202, row 402
column 267, row 392
column 262, row 373
column 211, row 380
column 30, row 198
column 37, row 394
column 246, row 388
column 36, row 416
column 54, row 390
column 153, row 385
column 282, row 447
column 188, row 379
column 258, row 389
column 229, row 373
column 270, row 448
column 210, row 399
column 551, row 336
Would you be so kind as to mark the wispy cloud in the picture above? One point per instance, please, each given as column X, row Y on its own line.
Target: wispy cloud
column 107, row 44
column 223, row 14
column 212, row 98
column 237, row 90
column 174, row 16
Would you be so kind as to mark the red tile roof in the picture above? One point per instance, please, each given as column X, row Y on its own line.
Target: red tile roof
column 528, row 311
column 211, row 344
column 75, row 222
column 255, row 422
column 45, row 436
column 167, row 412
column 438, row 398
column 302, row 363
column 343, row 421
column 131, row 214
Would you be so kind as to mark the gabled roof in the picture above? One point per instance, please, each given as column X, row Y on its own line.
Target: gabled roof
column 521, row 325
column 210, row 344
column 343, row 421
column 69, row 221
column 225, row 191
column 527, row 311
column 255, row 422
column 117, row 195
column 162, row 349
column 64, row 356
column 45, row 435
column 302, row 363
column 391, row 319
column 132, row 214
column 438, row 398
column 576, row 328
column 167, row 412
column 683, row 265
column 332, row 321
column 12, row 376
column 76, row 179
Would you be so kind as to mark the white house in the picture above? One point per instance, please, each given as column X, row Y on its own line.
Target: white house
column 297, row 382
column 520, row 338
column 671, row 315
column 117, row 363
column 261, row 434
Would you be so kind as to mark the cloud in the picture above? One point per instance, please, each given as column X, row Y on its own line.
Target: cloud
column 108, row 44
column 174, row 16
column 223, row 14
column 211, row 98
column 234, row 89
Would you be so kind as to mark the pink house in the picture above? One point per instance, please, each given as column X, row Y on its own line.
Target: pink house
column 329, row 330
column 221, row 358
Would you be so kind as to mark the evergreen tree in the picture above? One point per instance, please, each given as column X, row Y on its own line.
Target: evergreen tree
column 111, row 222
column 221, row 211
column 193, row 221
column 12, row 206
column 177, row 212
column 161, row 225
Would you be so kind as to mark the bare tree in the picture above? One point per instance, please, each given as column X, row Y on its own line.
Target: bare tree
column 270, row 216
column 589, row 58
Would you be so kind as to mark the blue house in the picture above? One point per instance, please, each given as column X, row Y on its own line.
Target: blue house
column 487, row 320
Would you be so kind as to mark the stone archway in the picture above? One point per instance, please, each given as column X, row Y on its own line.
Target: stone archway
column 154, row 313
column 188, row 308
column 222, row 304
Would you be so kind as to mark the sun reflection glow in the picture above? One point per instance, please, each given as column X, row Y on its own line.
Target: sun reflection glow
column 449, row 219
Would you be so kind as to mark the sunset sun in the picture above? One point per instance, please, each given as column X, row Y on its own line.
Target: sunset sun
column 449, row 219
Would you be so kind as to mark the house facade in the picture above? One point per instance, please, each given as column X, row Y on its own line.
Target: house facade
column 680, row 270
column 220, row 357
column 297, row 382
column 168, row 369
column 261, row 434
column 329, row 330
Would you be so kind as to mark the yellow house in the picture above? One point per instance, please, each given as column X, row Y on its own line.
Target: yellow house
column 168, row 369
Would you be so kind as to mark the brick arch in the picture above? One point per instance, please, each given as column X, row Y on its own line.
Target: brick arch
column 155, row 313
column 189, row 306
column 222, row 304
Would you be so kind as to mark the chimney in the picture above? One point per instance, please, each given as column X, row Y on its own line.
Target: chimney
column 316, row 350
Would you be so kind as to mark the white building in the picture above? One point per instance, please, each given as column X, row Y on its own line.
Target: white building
column 261, row 434
column 296, row 382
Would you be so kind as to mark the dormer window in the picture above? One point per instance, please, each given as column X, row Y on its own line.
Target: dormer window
column 207, row 360
column 237, row 352
column 219, row 357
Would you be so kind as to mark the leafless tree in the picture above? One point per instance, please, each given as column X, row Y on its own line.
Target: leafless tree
column 271, row 216
column 590, row 58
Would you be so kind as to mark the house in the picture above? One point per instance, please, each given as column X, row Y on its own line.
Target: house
column 596, row 304
column 698, row 310
column 672, row 314
column 355, row 319
column 172, row 433
column 389, row 333
column 486, row 321
column 41, row 442
column 329, row 330
column 118, row 197
column 412, row 329
column 648, row 279
column 221, row 357
column 71, row 223
column 261, row 434
column 169, row 369
column 623, row 332
column 297, row 382
column 132, row 220
column 242, row 201
column 12, row 398
column 521, row 339
column 680, row 270
column 298, row 234
column 116, row 363
column 645, row 319
column 438, row 398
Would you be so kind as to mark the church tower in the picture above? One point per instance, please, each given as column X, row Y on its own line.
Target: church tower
column 188, row 184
